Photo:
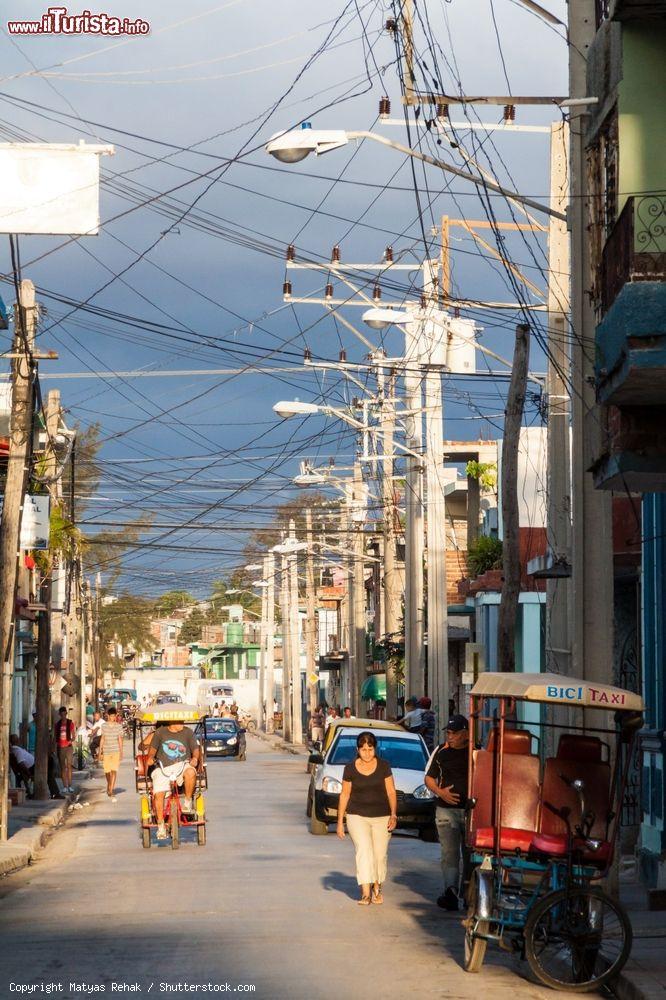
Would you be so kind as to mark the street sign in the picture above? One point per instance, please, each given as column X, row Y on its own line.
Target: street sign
column 313, row 677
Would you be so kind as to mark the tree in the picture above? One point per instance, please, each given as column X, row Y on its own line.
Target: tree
column 125, row 622
column 192, row 627
column 173, row 600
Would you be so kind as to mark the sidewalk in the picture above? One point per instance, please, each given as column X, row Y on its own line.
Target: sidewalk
column 644, row 975
column 32, row 823
column 276, row 741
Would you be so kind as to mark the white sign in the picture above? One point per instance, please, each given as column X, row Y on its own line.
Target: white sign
column 50, row 188
column 35, row 523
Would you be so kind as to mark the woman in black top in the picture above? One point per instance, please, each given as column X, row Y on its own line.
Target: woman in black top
column 369, row 801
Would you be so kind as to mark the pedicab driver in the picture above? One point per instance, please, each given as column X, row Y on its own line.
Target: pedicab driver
column 175, row 751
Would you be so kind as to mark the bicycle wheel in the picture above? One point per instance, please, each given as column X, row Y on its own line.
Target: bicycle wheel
column 577, row 939
column 475, row 947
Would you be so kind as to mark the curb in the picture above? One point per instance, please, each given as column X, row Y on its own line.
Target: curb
column 21, row 848
column 625, row 987
column 279, row 744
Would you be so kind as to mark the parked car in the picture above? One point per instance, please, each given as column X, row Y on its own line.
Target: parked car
column 222, row 738
column 406, row 753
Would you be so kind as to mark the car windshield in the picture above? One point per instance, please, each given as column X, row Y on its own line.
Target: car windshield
column 399, row 752
column 219, row 726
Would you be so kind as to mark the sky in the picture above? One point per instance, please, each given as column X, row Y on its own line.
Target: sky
column 187, row 271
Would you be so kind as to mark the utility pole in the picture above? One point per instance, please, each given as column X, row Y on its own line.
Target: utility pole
column 269, row 682
column 438, row 638
column 97, row 639
column 515, row 405
column 558, row 640
column 294, row 631
column 346, row 525
column 591, row 541
column 392, row 589
column 360, row 623
column 20, row 440
column 414, row 539
column 43, row 701
column 286, row 648
column 310, row 616
column 261, row 707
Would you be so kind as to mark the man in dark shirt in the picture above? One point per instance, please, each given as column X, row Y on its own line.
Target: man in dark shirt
column 446, row 777
column 175, row 750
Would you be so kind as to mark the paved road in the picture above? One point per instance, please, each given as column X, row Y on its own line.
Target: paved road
column 263, row 904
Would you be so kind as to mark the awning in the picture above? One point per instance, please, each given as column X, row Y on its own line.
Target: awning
column 374, row 688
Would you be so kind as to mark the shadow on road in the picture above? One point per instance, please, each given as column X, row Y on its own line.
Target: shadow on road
column 340, row 882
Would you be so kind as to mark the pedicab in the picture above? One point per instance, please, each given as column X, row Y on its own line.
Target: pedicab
column 545, row 798
column 175, row 816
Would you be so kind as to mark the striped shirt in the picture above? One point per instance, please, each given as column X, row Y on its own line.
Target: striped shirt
column 110, row 734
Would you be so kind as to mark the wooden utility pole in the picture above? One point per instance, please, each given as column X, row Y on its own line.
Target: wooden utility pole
column 311, row 616
column 20, row 440
column 43, row 700
column 269, row 682
column 558, row 640
column 515, row 405
column 294, row 632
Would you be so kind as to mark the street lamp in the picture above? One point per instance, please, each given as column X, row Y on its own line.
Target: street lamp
column 294, row 145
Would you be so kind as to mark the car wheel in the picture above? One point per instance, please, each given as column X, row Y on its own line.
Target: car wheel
column 317, row 828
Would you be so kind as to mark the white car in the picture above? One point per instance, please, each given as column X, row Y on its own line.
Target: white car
column 406, row 753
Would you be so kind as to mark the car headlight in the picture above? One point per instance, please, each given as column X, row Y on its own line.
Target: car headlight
column 423, row 793
column 332, row 785
column 232, row 742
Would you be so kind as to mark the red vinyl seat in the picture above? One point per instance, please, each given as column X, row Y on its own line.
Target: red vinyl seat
column 515, row 740
column 555, row 845
column 510, row 839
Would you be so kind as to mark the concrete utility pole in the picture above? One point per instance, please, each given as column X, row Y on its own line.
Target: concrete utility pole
column 43, row 701
column 269, row 681
column 558, row 640
column 286, row 648
column 515, row 405
column 592, row 540
column 414, row 540
column 294, row 632
column 312, row 667
column 360, row 622
column 261, row 707
column 20, row 441
column 391, row 581
column 97, row 639
column 438, row 639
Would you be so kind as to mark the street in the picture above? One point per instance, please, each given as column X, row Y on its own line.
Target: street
column 263, row 905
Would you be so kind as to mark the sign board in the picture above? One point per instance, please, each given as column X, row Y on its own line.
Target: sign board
column 313, row 678
column 35, row 522
column 50, row 188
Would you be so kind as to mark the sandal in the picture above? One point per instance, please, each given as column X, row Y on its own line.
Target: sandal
column 364, row 901
column 377, row 896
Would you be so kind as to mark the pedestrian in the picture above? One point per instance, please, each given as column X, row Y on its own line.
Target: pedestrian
column 233, row 710
column 446, row 777
column 332, row 715
column 32, row 734
column 216, row 711
column 369, row 801
column 111, row 751
column 98, row 724
column 428, row 723
column 22, row 763
column 317, row 724
column 63, row 734
column 347, row 713
column 413, row 716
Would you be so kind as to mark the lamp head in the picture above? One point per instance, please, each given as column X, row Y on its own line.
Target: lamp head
column 294, row 408
column 295, row 145
column 379, row 318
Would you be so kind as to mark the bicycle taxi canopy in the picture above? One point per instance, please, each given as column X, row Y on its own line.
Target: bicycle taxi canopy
column 551, row 689
column 167, row 713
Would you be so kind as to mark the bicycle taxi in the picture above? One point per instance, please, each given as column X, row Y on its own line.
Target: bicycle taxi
column 176, row 819
column 545, row 797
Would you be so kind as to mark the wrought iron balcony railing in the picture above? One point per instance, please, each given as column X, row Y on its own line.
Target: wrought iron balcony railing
column 636, row 247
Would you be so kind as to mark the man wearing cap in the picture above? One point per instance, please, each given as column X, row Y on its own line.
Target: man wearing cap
column 446, row 777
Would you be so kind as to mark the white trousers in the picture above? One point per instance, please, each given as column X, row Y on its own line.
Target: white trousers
column 370, row 836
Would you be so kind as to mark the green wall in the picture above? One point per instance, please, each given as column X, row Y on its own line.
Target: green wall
column 641, row 108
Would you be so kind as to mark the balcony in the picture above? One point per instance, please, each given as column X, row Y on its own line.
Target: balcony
column 631, row 337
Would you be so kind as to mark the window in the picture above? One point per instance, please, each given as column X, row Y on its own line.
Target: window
column 399, row 752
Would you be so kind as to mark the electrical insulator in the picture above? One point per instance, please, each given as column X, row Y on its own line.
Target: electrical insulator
column 343, row 355
column 335, row 255
column 424, row 301
column 291, row 252
column 376, row 293
column 329, row 292
column 442, row 109
column 384, row 107
column 456, row 312
column 388, row 255
column 509, row 112
column 391, row 24
column 307, row 354
column 286, row 289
